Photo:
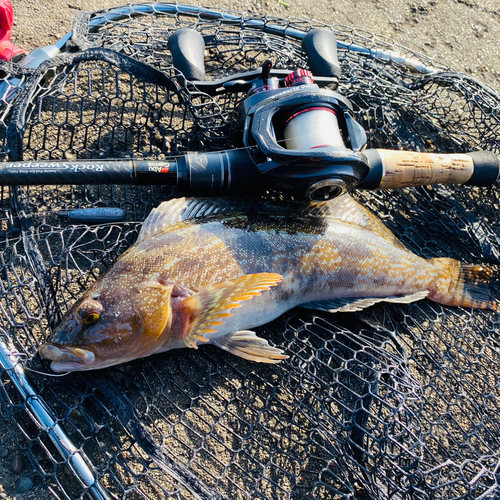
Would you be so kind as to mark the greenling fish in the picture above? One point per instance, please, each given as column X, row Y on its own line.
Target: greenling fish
column 206, row 271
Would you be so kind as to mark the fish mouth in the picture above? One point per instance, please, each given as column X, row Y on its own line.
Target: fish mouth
column 67, row 359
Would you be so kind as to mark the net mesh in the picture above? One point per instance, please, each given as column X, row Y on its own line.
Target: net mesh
column 394, row 402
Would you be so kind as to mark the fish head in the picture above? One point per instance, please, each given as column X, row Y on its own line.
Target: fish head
column 111, row 327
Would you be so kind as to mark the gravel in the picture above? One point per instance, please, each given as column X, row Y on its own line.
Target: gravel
column 462, row 34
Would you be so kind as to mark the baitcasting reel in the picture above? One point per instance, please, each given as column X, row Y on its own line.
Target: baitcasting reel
column 300, row 138
column 291, row 135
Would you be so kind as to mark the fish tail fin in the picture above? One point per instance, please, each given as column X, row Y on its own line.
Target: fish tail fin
column 464, row 285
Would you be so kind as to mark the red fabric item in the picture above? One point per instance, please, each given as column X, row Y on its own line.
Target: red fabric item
column 7, row 49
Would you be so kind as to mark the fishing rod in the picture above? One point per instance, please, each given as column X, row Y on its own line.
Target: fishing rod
column 230, row 172
column 291, row 135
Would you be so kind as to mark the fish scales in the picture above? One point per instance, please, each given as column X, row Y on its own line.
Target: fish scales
column 212, row 250
column 209, row 278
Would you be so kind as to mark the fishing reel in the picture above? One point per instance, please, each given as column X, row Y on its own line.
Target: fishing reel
column 296, row 137
column 301, row 139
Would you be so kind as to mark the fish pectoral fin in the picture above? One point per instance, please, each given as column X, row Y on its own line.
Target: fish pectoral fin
column 210, row 307
column 357, row 304
column 246, row 344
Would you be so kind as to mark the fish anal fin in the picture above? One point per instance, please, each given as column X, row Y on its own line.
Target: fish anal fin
column 209, row 308
column 247, row 345
column 357, row 304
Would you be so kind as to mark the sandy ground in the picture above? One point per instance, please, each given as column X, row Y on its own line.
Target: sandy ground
column 462, row 34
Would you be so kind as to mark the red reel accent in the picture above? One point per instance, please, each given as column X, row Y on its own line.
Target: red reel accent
column 299, row 77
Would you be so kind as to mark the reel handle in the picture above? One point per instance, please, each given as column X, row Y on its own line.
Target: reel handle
column 398, row 169
column 320, row 46
column 188, row 51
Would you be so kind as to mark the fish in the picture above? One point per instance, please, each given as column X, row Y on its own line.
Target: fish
column 209, row 271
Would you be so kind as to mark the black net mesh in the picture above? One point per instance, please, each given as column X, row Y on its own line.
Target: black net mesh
column 396, row 402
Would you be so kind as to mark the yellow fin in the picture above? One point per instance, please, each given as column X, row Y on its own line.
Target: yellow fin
column 246, row 344
column 460, row 284
column 210, row 307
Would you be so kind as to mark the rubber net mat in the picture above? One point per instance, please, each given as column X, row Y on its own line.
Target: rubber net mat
column 394, row 402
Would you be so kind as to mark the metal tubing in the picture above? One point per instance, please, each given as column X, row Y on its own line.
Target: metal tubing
column 46, row 421
column 141, row 9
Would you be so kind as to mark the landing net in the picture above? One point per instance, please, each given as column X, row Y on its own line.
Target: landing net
column 395, row 402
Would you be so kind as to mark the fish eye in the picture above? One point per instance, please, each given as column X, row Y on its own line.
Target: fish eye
column 90, row 312
column 91, row 318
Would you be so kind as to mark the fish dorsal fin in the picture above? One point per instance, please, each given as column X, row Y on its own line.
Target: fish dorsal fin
column 357, row 304
column 247, row 345
column 180, row 209
column 170, row 212
column 343, row 208
column 209, row 308
column 346, row 209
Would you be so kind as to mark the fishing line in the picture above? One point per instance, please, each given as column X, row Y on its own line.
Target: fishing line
column 22, row 356
column 26, row 367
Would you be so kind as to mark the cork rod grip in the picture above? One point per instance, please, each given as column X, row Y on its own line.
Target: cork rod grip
column 398, row 169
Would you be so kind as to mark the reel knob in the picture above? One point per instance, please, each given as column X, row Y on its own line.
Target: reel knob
column 299, row 77
column 188, row 52
column 320, row 46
